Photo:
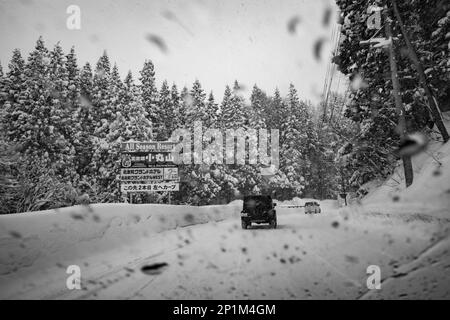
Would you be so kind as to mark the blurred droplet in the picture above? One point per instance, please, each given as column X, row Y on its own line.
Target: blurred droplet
column 327, row 16
column 318, row 46
column 15, row 234
column 189, row 218
column 94, row 38
column 100, row 73
column 292, row 24
column 157, row 41
column 169, row 15
column 240, row 88
column 85, row 102
column 351, row 259
column 77, row 216
column 412, row 144
column 188, row 100
column 358, row 82
column 154, row 269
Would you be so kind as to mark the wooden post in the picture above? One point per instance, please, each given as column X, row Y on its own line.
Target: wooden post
column 407, row 165
column 434, row 109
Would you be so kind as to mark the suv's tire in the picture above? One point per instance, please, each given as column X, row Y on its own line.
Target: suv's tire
column 244, row 224
column 273, row 223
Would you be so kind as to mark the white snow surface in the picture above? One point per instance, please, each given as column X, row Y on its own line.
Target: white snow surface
column 429, row 194
column 324, row 256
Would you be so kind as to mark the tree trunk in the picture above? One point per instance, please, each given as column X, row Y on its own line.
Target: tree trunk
column 407, row 165
column 434, row 109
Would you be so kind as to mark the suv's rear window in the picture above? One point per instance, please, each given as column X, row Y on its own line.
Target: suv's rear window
column 252, row 201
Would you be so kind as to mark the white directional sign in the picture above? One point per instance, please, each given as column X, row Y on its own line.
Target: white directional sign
column 148, row 167
column 150, row 187
column 148, row 174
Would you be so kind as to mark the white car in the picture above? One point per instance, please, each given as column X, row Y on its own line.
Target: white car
column 312, row 207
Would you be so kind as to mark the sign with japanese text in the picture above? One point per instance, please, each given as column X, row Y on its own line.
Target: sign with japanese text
column 148, row 167
column 150, row 187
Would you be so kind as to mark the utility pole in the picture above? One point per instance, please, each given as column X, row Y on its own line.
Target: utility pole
column 402, row 129
column 432, row 105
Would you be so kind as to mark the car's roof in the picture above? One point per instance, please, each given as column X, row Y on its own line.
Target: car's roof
column 258, row 197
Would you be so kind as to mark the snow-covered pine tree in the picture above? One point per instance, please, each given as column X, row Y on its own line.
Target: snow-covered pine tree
column 102, row 110
column 296, row 143
column 258, row 102
column 117, row 89
column 13, row 91
column 26, row 126
column 166, row 114
column 225, row 107
column 185, row 101
column 149, row 91
column 274, row 111
column 196, row 106
column 79, row 88
column 241, row 179
column 61, row 118
column 3, row 94
column 178, row 109
column 130, row 123
column 86, row 92
column 425, row 23
column 212, row 109
column 199, row 183
column 86, row 119
column 35, row 108
column 86, row 84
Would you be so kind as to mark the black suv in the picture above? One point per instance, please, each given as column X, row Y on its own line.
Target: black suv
column 258, row 209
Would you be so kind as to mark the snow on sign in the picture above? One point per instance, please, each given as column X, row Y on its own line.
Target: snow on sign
column 151, row 146
column 153, row 187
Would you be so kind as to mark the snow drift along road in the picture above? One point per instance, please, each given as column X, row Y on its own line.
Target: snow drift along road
column 35, row 240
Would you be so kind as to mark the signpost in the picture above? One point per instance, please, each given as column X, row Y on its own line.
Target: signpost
column 148, row 167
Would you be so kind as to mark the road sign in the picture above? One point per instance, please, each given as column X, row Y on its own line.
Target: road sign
column 148, row 174
column 148, row 167
column 150, row 187
column 146, row 160
column 150, row 146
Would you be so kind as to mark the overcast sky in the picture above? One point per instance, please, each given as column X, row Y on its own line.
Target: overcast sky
column 216, row 41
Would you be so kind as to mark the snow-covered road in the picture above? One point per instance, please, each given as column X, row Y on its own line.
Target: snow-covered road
column 321, row 256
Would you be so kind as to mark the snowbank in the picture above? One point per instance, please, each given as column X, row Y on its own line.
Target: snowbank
column 33, row 240
column 429, row 195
